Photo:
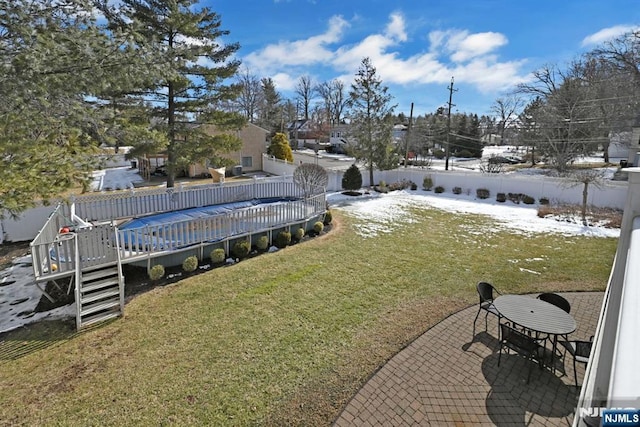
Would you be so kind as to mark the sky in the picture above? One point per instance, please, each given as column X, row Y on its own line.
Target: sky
column 374, row 214
column 417, row 47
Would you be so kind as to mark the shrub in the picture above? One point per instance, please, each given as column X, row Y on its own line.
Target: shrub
column 283, row 239
column 241, row 249
column 438, row 153
column 515, row 197
column 156, row 272
column 482, row 193
column 464, row 153
column 217, row 256
column 457, row 190
column 190, row 264
column 501, row 197
column 439, row 189
column 352, row 179
column 299, row 234
column 382, row 183
column 414, row 186
column 318, row 227
column 262, row 243
column 328, row 217
column 427, row 183
column 528, row 200
column 544, row 200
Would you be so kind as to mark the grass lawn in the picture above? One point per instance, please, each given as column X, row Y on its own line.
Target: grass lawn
column 283, row 338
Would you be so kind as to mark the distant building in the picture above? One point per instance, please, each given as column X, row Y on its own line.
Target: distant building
column 249, row 157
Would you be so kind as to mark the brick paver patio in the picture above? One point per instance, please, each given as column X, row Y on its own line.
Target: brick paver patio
column 449, row 377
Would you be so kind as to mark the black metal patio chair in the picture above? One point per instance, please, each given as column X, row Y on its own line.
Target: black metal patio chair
column 581, row 351
column 523, row 344
column 557, row 300
column 486, row 294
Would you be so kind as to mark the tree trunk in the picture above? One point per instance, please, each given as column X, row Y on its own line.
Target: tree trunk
column 585, row 194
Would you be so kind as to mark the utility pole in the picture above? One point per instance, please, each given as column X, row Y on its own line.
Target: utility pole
column 408, row 138
column 451, row 90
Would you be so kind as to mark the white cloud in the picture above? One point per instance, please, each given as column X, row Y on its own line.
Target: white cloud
column 300, row 52
column 465, row 46
column 607, row 34
column 470, row 57
column 473, row 60
column 396, row 27
column 284, row 81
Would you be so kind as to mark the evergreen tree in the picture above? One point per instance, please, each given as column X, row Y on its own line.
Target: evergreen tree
column 197, row 65
column 371, row 120
column 280, row 148
column 54, row 58
column 270, row 110
column 352, row 179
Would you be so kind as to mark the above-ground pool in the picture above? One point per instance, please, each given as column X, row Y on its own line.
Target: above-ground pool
column 172, row 230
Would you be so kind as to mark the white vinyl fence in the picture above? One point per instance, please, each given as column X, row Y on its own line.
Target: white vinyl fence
column 558, row 190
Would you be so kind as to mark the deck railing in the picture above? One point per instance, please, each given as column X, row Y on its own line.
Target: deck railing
column 150, row 240
column 612, row 378
column 136, row 203
column 51, row 246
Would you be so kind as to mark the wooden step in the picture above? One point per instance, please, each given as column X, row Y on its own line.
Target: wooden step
column 98, row 274
column 96, row 307
column 90, row 320
column 97, row 296
column 99, row 284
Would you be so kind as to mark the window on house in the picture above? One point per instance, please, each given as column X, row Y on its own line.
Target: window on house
column 247, row 162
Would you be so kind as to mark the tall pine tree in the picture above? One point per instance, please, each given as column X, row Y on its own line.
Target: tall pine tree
column 197, row 66
column 371, row 120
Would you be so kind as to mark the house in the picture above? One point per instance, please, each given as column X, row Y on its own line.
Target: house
column 301, row 131
column 338, row 138
column 249, row 157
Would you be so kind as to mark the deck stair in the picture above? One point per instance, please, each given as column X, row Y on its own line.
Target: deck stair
column 99, row 295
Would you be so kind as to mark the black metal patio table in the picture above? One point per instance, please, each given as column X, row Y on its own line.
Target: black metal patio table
column 536, row 315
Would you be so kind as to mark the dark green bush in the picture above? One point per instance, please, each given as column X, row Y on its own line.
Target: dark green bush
column 318, row 227
column 515, row 197
column 438, row 153
column 217, row 255
column 544, row 201
column 414, row 186
column 501, row 197
column 241, row 249
column 457, row 190
column 528, row 200
column 262, row 243
column 427, row 183
column 299, row 234
column 156, row 272
column 439, row 189
column 464, row 154
column 482, row 193
column 352, row 179
column 190, row 264
column 283, row 239
column 328, row 217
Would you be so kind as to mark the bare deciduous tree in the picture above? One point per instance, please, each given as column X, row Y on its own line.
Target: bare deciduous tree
column 586, row 177
column 250, row 94
column 304, row 90
column 506, row 110
column 311, row 178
